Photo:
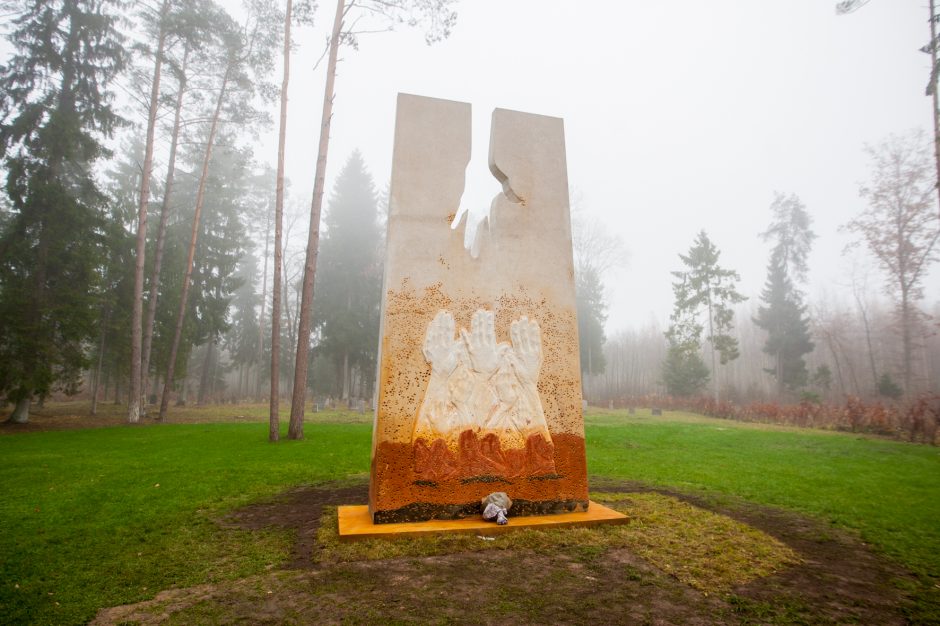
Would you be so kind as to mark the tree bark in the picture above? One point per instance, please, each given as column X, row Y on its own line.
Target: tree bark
column 161, row 233
column 256, row 391
column 871, row 352
column 274, row 428
column 20, row 414
column 187, row 279
column 204, row 382
column 296, row 428
column 94, row 392
column 906, row 338
column 711, row 343
column 346, row 380
column 133, row 402
column 107, row 383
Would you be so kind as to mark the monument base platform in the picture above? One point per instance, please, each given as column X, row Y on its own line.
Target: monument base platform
column 355, row 522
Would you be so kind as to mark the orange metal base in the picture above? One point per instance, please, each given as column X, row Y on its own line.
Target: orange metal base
column 355, row 522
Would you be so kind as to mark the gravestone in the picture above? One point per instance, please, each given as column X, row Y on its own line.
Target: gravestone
column 479, row 385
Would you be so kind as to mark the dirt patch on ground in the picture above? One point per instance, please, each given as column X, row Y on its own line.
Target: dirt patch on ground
column 839, row 581
column 298, row 510
column 44, row 422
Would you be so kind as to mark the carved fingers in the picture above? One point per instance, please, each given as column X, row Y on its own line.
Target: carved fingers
column 481, row 342
column 440, row 348
column 444, row 352
column 527, row 344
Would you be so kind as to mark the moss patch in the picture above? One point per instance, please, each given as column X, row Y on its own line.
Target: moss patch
column 705, row 550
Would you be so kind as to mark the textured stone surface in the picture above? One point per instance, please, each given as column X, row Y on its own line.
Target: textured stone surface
column 478, row 384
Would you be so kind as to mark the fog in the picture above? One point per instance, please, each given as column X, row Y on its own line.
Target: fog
column 678, row 117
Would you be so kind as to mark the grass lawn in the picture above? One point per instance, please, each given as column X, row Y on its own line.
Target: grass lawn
column 106, row 516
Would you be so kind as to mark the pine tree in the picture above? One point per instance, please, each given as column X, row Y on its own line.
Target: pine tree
column 705, row 288
column 684, row 371
column 592, row 314
column 245, row 58
column 54, row 116
column 349, row 283
column 783, row 316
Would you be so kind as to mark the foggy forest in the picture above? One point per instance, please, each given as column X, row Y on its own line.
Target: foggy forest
column 294, row 330
column 154, row 254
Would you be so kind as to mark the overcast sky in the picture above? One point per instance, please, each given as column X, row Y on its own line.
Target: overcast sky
column 678, row 115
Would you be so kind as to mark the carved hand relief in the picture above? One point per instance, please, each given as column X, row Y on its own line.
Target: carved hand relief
column 481, row 414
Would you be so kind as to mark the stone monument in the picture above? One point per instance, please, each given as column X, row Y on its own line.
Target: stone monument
column 479, row 386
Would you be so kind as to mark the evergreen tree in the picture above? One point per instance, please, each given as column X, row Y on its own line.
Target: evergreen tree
column 122, row 182
column 592, row 313
column 888, row 388
column 221, row 246
column 349, row 282
column 244, row 61
column 783, row 315
column 54, row 115
column 684, row 371
column 705, row 288
column 243, row 336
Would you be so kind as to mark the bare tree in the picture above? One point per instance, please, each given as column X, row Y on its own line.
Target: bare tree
column 900, row 226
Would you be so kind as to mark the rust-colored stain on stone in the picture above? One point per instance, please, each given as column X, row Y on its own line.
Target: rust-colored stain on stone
column 397, row 484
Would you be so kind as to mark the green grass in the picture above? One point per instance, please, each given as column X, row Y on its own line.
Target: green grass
column 85, row 525
column 887, row 490
column 704, row 550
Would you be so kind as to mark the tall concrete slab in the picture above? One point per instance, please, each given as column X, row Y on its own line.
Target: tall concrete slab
column 479, row 384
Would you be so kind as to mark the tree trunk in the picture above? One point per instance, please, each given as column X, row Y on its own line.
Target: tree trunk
column 264, row 301
column 107, row 383
column 200, row 198
column 296, row 428
column 20, row 414
column 94, row 392
column 711, row 343
column 274, row 429
column 871, row 352
column 133, row 402
column 161, row 233
column 906, row 338
column 346, row 380
column 933, row 90
column 204, row 381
